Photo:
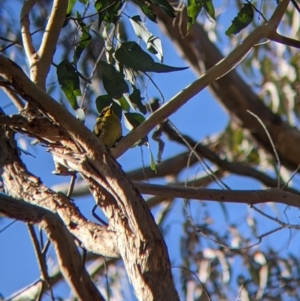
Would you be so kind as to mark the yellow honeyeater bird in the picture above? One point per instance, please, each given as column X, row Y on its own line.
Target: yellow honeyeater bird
column 108, row 127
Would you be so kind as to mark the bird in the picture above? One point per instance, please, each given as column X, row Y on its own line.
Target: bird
column 108, row 127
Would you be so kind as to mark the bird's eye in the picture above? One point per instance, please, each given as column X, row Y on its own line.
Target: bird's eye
column 103, row 112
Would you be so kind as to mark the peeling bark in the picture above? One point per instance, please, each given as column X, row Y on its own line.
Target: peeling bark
column 137, row 237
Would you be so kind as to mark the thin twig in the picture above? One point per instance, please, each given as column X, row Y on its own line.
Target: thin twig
column 7, row 226
column 276, row 220
column 192, row 149
column 23, row 291
column 217, row 71
column 92, row 15
column 19, row 41
column 46, row 247
column 257, row 10
column 71, row 186
column 291, row 178
column 156, row 86
column 272, row 144
column 106, row 279
column 196, row 276
column 41, row 260
column 14, row 98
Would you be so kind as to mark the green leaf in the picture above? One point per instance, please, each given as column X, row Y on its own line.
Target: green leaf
column 71, row 4
column 113, row 81
column 152, row 162
column 147, row 10
column 132, row 120
column 85, row 39
column 131, row 55
column 108, row 12
column 153, row 43
column 136, row 99
column 101, row 5
column 209, row 8
column 242, row 20
column 124, row 104
column 193, row 9
column 112, row 15
column 103, row 101
column 165, row 6
column 68, row 79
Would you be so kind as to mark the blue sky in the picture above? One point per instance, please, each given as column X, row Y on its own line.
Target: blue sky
column 199, row 118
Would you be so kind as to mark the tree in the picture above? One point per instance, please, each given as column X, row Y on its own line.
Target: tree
column 65, row 62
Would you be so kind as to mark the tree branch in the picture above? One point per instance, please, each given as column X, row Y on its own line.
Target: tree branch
column 68, row 257
column 39, row 128
column 19, row 183
column 276, row 37
column 238, row 168
column 25, row 31
column 14, row 98
column 249, row 197
column 232, row 92
column 217, row 71
column 41, row 260
column 49, row 40
column 40, row 61
column 139, row 241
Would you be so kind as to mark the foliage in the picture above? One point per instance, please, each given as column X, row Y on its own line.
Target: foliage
column 109, row 53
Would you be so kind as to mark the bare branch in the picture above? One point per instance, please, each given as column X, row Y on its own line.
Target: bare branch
column 232, row 91
column 27, row 293
column 276, row 37
column 250, row 197
column 278, row 14
column 203, row 181
column 98, row 264
column 49, row 40
column 41, row 260
column 40, row 61
column 25, row 31
column 139, row 241
column 232, row 167
column 14, row 98
column 23, row 185
column 63, row 243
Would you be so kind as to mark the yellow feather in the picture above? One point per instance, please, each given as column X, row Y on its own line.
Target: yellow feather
column 108, row 127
